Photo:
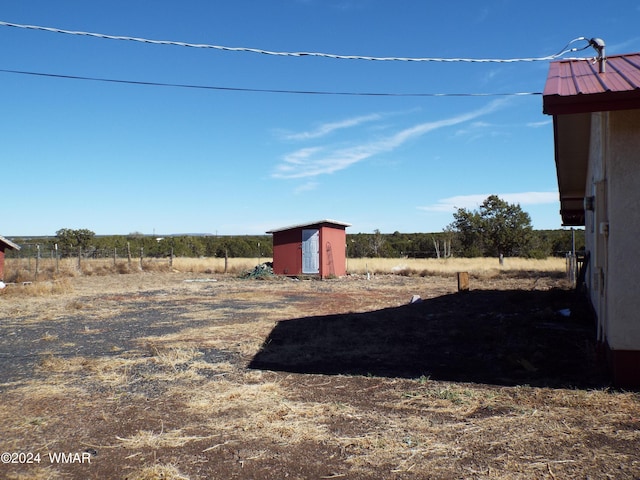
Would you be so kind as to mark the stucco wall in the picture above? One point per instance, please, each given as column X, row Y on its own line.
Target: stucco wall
column 596, row 174
column 612, row 228
column 623, row 186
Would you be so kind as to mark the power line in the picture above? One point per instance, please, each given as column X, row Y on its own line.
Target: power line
column 265, row 90
column 561, row 53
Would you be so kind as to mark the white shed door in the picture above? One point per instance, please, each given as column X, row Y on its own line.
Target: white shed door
column 311, row 251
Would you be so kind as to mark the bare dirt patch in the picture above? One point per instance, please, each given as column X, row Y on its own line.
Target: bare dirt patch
column 170, row 375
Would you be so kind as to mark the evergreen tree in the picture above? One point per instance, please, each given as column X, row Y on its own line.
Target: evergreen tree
column 497, row 228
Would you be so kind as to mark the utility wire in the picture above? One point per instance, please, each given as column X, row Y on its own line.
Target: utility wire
column 266, row 90
column 561, row 53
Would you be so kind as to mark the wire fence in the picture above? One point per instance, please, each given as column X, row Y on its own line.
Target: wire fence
column 35, row 263
column 36, row 260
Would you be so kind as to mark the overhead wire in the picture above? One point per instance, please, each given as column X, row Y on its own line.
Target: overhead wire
column 566, row 49
column 561, row 53
column 264, row 90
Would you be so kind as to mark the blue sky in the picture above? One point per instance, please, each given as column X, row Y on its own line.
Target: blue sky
column 119, row 158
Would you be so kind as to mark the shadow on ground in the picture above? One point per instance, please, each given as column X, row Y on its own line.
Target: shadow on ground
column 496, row 337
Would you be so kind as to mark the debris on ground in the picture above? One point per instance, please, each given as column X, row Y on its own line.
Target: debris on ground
column 260, row 271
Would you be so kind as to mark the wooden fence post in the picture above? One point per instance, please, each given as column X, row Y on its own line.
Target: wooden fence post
column 35, row 277
column 463, row 281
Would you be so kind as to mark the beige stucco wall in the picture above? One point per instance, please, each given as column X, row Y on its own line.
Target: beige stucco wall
column 612, row 229
column 623, row 175
column 595, row 174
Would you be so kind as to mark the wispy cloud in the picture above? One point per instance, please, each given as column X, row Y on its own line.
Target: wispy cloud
column 472, row 202
column 310, row 162
column 328, row 128
column 543, row 123
column 306, row 187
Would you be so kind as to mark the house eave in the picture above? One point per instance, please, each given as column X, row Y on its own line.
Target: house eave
column 587, row 103
column 571, row 137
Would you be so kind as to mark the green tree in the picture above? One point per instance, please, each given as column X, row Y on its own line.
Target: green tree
column 468, row 231
column 69, row 240
column 497, row 228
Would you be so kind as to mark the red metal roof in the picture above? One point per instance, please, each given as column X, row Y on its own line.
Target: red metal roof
column 577, row 86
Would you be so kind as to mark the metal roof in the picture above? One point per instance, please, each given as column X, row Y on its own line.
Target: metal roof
column 574, row 89
column 311, row 224
column 9, row 243
column 578, row 86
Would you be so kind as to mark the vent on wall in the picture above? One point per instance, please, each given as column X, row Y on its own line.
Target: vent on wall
column 589, row 203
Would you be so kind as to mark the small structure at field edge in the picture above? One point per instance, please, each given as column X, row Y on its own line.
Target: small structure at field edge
column 316, row 248
column 5, row 244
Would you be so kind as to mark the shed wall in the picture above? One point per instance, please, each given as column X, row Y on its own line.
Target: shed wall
column 333, row 252
column 1, row 262
column 287, row 252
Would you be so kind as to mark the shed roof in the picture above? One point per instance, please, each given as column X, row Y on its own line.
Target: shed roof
column 574, row 89
column 577, row 86
column 8, row 243
column 317, row 223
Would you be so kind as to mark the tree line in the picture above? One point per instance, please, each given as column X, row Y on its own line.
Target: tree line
column 495, row 228
column 543, row 243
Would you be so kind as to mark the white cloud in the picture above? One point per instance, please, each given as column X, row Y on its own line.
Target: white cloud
column 306, row 187
column 472, row 202
column 313, row 161
column 328, row 128
column 542, row 123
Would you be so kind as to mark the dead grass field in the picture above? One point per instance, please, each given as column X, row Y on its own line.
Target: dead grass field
column 25, row 269
column 189, row 375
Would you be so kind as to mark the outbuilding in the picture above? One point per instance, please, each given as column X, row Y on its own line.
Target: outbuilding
column 596, row 123
column 316, row 248
column 5, row 244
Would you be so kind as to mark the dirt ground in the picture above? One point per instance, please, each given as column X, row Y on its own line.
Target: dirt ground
column 184, row 376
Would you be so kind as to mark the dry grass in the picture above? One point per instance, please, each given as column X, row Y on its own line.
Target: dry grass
column 178, row 402
column 475, row 266
column 158, row 472
column 24, row 270
column 39, row 289
column 17, row 271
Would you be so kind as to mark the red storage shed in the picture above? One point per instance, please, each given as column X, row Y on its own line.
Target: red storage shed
column 5, row 244
column 316, row 248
